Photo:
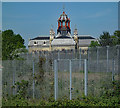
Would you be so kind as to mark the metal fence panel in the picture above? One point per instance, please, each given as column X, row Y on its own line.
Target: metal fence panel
column 103, row 67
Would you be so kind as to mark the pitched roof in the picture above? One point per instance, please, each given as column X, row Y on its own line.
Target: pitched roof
column 85, row 37
column 41, row 38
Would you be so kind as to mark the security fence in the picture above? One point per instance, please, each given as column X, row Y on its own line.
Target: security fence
column 29, row 78
column 62, row 74
column 73, row 78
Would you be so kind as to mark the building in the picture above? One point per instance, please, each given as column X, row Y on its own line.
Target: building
column 63, row 40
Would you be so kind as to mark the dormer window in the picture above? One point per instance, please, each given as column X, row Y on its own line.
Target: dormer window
column 35, row 43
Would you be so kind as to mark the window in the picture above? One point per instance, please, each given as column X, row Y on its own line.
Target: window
column 35, row 42
column 44, row 42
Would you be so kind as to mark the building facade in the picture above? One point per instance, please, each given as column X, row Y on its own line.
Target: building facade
column 63, row 40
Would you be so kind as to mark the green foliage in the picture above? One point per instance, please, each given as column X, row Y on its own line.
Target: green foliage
column 41, row 61
column 15, row 54
column 14, row 101
column 117, row 35
column 105, row 39
column 39, row 77
column 115, row 91
column 22, row 88
column 114, row 40
column 64, row 102
column 111, row 98
column 94, row 44
column 10, row 42
column 0, row 45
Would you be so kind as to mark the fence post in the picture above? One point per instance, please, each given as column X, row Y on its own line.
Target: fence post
column 113, row 69
column 97, row 57
column 107, row 57
column 80, row 59
column 33, row 81
column 56, row 79
column 80, row 53
column 58, row 55
column 70, row 79
column 27, row 56
column 88, row 56
column 86, row 77
column 73, row 54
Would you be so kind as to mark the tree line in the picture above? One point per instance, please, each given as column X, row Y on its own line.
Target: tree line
column 106, row 39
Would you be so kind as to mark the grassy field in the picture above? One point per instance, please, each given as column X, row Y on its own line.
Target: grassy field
column 97, row 83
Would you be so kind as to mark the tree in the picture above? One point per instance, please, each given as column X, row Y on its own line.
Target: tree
column 105, row 39
column 117, row 35
column 10, row 42
column 0, row 45
column 94, row 44
column 114, row 40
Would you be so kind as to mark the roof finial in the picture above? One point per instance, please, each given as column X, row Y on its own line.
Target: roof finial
column 75, row 26
column 63, row 7
column 52, row 26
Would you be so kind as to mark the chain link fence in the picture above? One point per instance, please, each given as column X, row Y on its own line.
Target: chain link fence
column 59, row 74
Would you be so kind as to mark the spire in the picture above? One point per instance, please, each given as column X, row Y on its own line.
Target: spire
column 52, row 26
column 75, row 26
column 63, row 8
column 76, row 37
column 75, row 31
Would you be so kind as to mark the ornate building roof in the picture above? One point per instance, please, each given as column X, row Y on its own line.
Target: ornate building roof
column 63, row 23
column 63, row 37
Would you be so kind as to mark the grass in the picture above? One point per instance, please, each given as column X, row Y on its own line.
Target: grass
column 96, row 82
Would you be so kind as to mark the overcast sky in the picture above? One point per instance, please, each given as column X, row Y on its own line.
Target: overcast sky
column 31, row 19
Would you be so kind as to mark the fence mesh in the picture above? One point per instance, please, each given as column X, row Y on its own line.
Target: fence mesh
column 103, row 66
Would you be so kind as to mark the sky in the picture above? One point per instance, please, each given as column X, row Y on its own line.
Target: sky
column 32, row 19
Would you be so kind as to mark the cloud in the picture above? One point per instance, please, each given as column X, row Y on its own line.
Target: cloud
column 100, row 14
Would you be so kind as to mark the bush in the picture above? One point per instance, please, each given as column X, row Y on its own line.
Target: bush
column 111, row 97
column 22, row 88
